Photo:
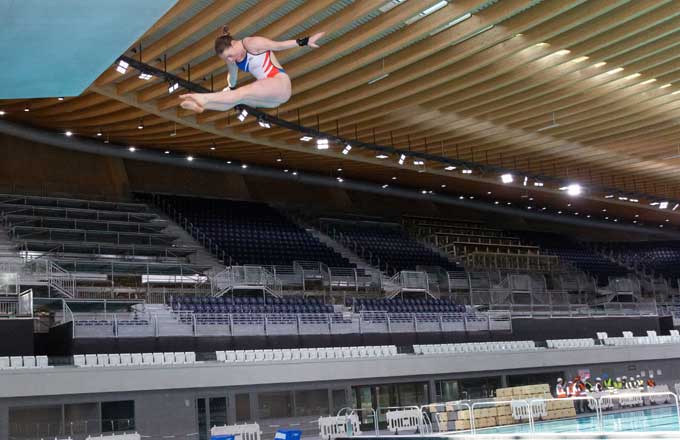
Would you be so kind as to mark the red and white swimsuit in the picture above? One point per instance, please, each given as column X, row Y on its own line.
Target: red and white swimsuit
column 260, row 66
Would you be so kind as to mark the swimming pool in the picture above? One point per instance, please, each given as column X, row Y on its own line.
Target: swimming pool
column 647, row 420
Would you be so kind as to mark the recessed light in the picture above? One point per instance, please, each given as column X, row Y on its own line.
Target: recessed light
column 190, row 158
column 132, row 149
column 167, row 151
column 69, row 133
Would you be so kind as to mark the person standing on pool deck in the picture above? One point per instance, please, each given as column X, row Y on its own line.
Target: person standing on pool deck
column 254, row 55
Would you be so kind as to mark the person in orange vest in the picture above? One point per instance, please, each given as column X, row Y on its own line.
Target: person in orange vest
column 560, row 392
column 578, row 389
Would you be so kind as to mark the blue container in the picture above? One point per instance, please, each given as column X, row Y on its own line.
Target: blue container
column 222, row 437
column 288, row 434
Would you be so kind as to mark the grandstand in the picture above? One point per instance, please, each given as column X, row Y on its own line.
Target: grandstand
column 459, row 204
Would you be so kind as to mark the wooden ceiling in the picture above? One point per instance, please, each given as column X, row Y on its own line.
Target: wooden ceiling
column 602, row 76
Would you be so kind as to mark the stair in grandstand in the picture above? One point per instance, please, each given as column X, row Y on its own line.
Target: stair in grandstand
column 353, row 258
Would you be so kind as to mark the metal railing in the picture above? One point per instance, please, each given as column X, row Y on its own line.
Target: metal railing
column 576, row 310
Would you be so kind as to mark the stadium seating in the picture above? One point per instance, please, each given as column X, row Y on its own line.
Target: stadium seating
column 287, row 354
column 23, row 362
column 387, row 246
column 253, row 233
column 407, row 305
column 578, row 255
column 474, row 347
column 133, row 359
column 257, row 304
column 570, row 343
column 660, row 257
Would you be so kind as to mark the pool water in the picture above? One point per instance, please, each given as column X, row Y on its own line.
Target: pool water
column 653, row 419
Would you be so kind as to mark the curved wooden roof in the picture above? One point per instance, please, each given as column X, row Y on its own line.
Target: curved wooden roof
column 583, row 90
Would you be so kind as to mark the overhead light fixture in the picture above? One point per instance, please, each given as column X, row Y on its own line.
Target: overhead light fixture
column 286, row 170
column 68, row 133
column 613, row 71
column 243, row 114
column 654, row 204
column 507, row 178
column 99, row 133
column 573, row 189
column 424, row 191
column 382, row 156
column 452, row 23
column 563, row 52
column 263, row 123
column 649, row 81
column 295, row 173
column 623, row 198
column 467, row 171
column 340, row 179
column 306, row 138
column 347, row 149
column 212, row 148
column 402, row 158
column 676, row 92
column 634, row 200
column 122, row 67
column 633, row 76
column 385, row 186
column 600, row 64
column 609, row 196
column 665, row 86
column 26, row 109
column 2, row 113
column 167, row 152
column 61, row 98
column 228, row 162
column 538, row 184
column 140, row 126
column 676, row 206
column 378, row 78
column 579, row 59
column 394, row 177
column 526, row 180
column 663, row 205
column 554, row 124
column 132, row 149
column 244, row 166
column 279, row 159
column 418, row 162
column 322, row 144
column 450, row 168
column 541, row 44
column 443, row 185
column 173, row 86
column 174, row 132
column 145, row 76
column 190, row 158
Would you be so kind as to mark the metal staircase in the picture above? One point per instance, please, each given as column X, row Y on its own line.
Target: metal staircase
column 353, row 258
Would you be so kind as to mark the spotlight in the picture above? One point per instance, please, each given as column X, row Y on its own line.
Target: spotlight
column 26, row 109
column 167, row 152
column 663, row 205
column 339, row 170
column 286, row 170
column 573, row 189
column 538, row 184
column 99, row 133
column 228, row 162
column 306, row 138
column 381, row 156
column 190, row 158
column 623, row 198
column 263, row 123
column 609, row 196
column 450, row 168
column 634, row 200
column 61, row 98
column 423, row 192
column 173, row 87
column 212, row 148
column 507, row 178
column 347, row 149
column 467, row 171
column 340, row 179
column 526, row 179
column 322, row 144
column 676, row 206
column 278, row 159
column 295, row 173
column 122, row 67
column 132, row 149
column 242, row 115
column 385, row 186
column 394, row 177
column 443, row 185
column 68, row 133
column 418, row 162
column 244, row 166
column 141, row 125
column 2, row 113
column 145, row 76
column 402, row 158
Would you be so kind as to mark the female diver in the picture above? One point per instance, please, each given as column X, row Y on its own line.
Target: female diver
column 255, row 55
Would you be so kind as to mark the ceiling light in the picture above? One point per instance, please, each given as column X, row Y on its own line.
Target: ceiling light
column 347, row 149
column 649, row 81
column 68, row 133
column 443, row 185
column 190, row 158
column 340, row 179
column 145, row 76
column 526, row 179
column 613, row 71
column 61, row 98
column 573, row 189
column 140, row 126
column 122, row 67
column 402, row 158
column 623, row 198
column 385, row 186
column 423, row 192
column 450, row 168
column 528, row 207
column 538, row 183
column 467, row 171
column 286, row 170
column 667, row 220
column 381, row 156
column 263, row 123
column 242, row 115
column 132, row 149
column 635, row 75
column 633, row 200
column 278, row 159
column 496, row 202
column 306, row 138
column 322, row 144
column 663, row 205
column 99, row 133
column 378, row 78
column 167, row 152
column 244, row 166
column 665, row 86
column 26, row 109
column 654, row 204
column 579, row 59
column 212, row 148
column 451, row 23
column 600, row 64
column 507, row 178
column 563, row 52
column 339, row 170
column 676, row 92
column 295, row 173
column 394, row 177
column 676, row 206
column 461, row 197
column 559, row 212
column 418, row 162
column 604, row 210
column 609, row 196
column 2, row 113
column 541, row 44
column 229, row 162
column 173, row 87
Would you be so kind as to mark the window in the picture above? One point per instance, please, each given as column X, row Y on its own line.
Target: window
column 118, row 416
column 275, row 405
column 311, row 403
column 242, row 408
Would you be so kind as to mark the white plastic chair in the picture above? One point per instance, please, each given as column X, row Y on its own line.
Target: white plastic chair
column 41, row 361
column 169, row 358
column 103, row 360
column 114, row 359
column 221, row 356
column 240, row 356
column 158, row 359
column 90, row 360
column 190, row 357
column 137, row 359
column 78, row 360
column 147, row 359
column 125, row 359
column 29, row 361
column 180, row 357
